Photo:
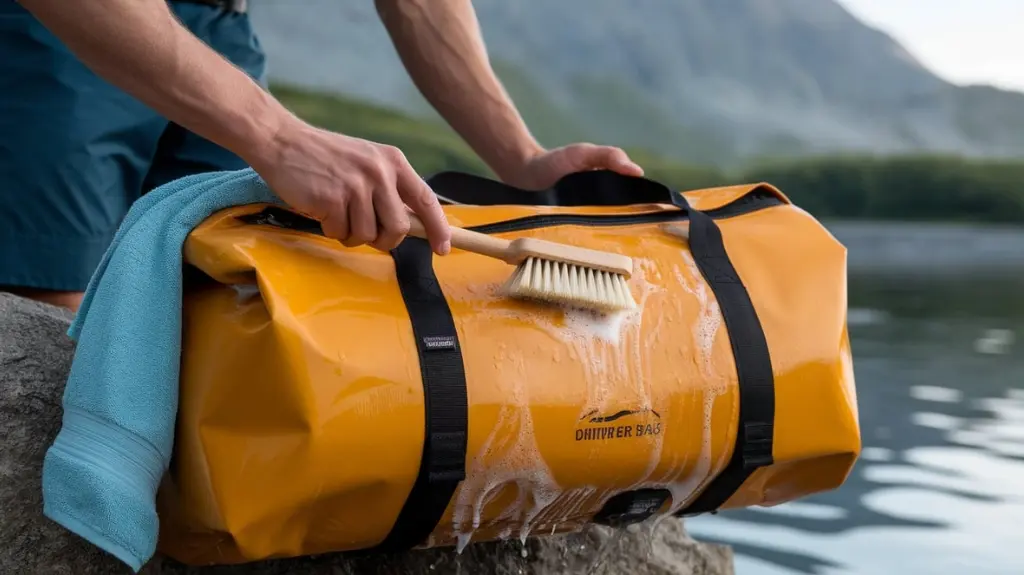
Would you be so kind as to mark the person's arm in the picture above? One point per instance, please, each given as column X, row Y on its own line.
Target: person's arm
column 355, row 188
column 440, row 44
column 140, row 47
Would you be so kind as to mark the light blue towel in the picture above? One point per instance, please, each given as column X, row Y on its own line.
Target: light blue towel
column 101, row 474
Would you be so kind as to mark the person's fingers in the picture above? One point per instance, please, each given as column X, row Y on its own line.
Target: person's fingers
column 612, row 158
column 423, row 202
column 619, row 161
column 361, row 219
column 335, row 224
column 392, row 219
column 579, row 157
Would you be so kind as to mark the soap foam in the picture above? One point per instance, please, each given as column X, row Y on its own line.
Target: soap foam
column 709, row 320
column 596, row 341
column 608, row 347
column 704, row 330
column 520, row 463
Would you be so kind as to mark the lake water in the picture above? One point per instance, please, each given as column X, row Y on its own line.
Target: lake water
column 937, row 329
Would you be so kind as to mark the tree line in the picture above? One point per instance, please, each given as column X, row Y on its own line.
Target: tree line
column 912, row 188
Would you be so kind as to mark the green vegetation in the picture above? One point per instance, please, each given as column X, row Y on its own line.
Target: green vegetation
column 901, row 188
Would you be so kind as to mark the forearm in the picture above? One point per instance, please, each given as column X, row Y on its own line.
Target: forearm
column 140, row 47
column 440, row 44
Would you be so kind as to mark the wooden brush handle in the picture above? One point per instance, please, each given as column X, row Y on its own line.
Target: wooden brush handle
column 462, row 239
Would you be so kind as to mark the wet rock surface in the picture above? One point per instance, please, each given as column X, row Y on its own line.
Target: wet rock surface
column 35, row 357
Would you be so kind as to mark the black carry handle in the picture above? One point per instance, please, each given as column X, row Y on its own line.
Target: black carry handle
column 590, row 188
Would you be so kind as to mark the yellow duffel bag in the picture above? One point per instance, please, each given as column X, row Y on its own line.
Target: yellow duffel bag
column 346, row 399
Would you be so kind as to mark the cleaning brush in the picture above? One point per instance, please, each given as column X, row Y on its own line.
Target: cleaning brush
column 552, row 272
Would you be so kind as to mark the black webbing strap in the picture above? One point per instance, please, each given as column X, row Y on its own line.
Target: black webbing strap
column 443, row 463
column 754, row 434
column 589, row 188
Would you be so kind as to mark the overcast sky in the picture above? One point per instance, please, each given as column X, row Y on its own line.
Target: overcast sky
column 964, row 41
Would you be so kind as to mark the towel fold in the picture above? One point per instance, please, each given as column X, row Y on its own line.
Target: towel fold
column 101, row 475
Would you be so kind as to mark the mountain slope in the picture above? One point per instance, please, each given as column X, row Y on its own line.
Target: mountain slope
column 901, row 188
column 707, row 80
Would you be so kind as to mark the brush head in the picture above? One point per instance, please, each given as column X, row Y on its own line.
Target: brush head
column 522, row 248
column 569, row 275
column 569, row 284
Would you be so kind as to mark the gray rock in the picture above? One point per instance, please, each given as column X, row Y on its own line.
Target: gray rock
column 35, row 357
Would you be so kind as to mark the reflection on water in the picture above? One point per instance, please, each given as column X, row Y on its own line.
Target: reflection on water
column 939, row 487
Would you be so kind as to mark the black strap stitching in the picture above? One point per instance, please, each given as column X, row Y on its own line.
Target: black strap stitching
column 443, row 463
column 754, row 434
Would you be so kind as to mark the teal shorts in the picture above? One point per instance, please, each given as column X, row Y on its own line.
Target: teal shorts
column 76, row 152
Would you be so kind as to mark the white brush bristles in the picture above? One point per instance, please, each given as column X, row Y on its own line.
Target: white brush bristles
column 572, row 285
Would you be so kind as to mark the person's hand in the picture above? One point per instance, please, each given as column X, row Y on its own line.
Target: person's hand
column 359, row 191
column 545, row 168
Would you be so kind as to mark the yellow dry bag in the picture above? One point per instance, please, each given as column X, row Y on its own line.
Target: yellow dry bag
column 342, row 399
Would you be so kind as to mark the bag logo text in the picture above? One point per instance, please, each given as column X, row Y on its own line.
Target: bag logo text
column 592, row 432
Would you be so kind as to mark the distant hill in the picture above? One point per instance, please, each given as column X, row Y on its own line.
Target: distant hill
column 711, row 81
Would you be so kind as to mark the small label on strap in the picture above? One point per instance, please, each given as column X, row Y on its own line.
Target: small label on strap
column 439, row 342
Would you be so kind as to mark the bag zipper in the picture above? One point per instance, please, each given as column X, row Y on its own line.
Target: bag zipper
column 752, row 202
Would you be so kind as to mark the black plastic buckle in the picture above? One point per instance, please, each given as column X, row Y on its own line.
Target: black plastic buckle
column 631, row 507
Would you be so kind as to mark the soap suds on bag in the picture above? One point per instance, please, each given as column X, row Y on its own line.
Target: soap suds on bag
column 498, row 465
column 710, row 318
column 581, row 324
column 597, row 342
column 682, row 484
column 609, row 348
